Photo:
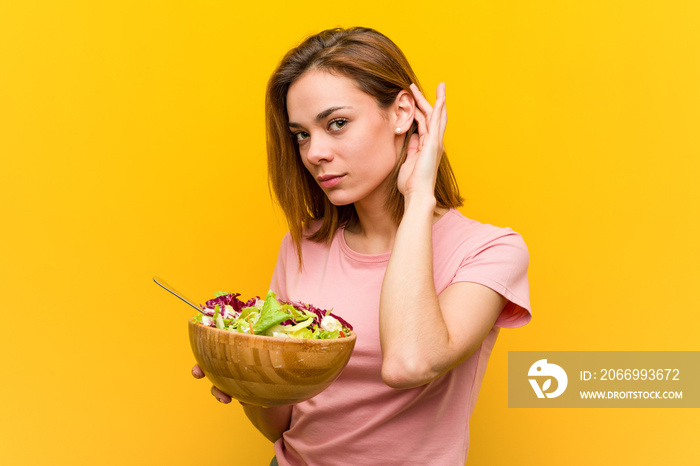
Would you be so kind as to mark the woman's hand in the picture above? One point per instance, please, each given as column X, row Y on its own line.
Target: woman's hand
column 198, row 373
column 419, row 172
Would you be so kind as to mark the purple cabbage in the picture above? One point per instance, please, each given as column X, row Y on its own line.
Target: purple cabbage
column 232, row 300
column 318, row 312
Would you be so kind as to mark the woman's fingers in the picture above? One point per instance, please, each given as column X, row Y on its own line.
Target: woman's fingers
column 431, row 120
column 219, row 395
column 440, row 90
column 425, row 148
column 421, row 101
column 441, row 110
column 425, row 110
column 422, row 125
column 443, row 117
column 435, row 134
column 197, row 372
column 436, row 117
column 413, row 146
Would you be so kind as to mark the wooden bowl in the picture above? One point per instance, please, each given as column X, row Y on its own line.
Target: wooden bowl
column 268, row 371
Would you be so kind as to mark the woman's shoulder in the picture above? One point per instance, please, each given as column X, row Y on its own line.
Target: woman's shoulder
column 307, row 231
column 307, row 243
column 456, row 228
column 455, row 220
column 312, row 227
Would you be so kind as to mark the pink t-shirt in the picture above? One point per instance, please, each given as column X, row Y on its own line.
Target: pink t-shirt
column 359, row 419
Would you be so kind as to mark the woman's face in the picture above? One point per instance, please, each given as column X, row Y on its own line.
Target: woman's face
column 346, row 141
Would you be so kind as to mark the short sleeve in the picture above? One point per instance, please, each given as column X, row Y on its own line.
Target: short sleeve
column 501, row 264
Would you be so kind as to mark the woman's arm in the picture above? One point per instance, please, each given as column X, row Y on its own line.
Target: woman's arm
column 271, row 422
column 424, row 335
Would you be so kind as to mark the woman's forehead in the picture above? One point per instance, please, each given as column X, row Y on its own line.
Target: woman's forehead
column 316, row 91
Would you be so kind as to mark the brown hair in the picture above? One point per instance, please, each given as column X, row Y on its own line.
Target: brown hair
column 378, row 68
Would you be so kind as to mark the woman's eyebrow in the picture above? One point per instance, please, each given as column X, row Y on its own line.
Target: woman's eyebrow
column 321, row 116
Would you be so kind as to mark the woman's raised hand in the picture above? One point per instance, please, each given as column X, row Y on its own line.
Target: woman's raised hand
column 419, row 172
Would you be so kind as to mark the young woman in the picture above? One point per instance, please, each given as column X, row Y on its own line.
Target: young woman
column 356, row 162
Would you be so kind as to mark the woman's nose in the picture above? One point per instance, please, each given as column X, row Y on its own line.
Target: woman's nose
column 319, row 149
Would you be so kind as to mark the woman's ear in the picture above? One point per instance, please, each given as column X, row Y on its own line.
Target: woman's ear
column 404, row 110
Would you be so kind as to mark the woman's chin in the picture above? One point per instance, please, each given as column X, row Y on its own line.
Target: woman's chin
column 340, row 202
column 339, row 198
column 345, row 197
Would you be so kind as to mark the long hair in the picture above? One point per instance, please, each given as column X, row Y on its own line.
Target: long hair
column 379, row 69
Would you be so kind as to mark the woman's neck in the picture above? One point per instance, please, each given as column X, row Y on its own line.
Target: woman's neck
column 374, row 231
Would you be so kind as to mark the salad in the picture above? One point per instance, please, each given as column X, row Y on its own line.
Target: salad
column 271, row 317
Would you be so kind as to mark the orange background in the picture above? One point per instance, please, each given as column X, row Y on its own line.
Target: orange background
column 132, row 145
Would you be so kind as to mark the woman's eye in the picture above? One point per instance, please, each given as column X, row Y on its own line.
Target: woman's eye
column 300, row 136
column 337, row 124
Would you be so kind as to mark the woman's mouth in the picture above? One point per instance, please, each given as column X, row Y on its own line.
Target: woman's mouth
column 328, row 181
